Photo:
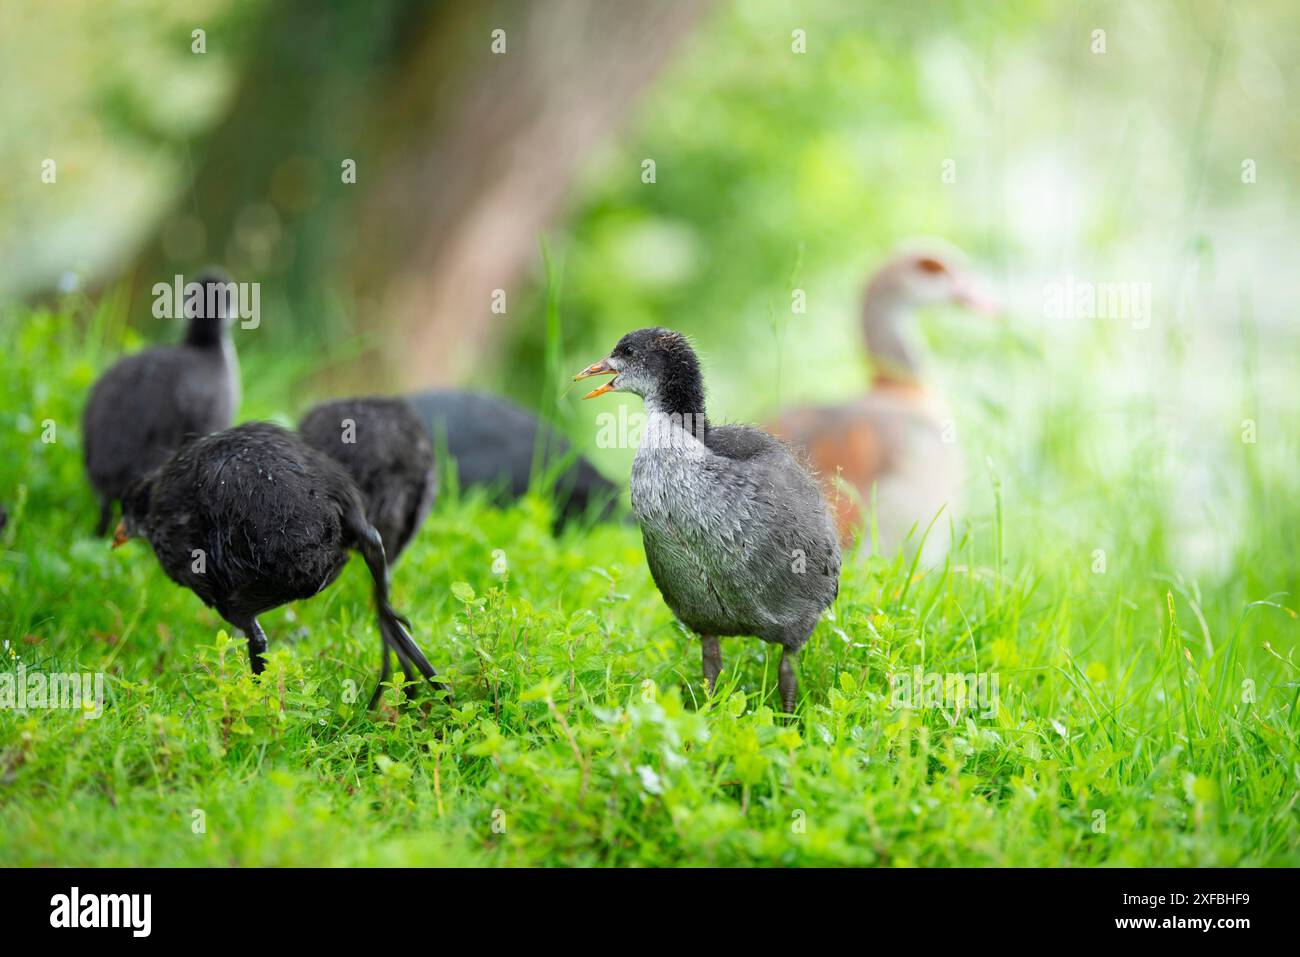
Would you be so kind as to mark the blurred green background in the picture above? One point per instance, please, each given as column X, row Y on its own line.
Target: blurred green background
column 1112, row 157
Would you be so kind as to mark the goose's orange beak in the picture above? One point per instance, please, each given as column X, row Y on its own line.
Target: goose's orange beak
column 119, row 535
column 974, row 296
column 598, row 368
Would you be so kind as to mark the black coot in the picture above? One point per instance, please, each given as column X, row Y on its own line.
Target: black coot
column 386, row 449
column 737, row 535
column 253, row 518
column 146, row 405
column 495, row 444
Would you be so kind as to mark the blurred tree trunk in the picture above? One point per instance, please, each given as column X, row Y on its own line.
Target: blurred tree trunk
column 463, row 156
column 480, row 150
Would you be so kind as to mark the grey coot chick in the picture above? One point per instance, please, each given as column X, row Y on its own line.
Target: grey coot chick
column 253, row 518
column 147, row 404
column 386, row 449
column 737, row 535
column 495, row 444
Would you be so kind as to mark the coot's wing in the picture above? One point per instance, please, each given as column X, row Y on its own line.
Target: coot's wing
column 494, row 444
column 740, row 442
column 491, row 440
column 399, row 478
column 784, row 514
column 419, row 502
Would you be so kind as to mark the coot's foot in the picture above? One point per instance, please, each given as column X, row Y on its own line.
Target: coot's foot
column 410, row 686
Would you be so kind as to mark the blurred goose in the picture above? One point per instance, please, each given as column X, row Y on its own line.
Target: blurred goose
column 897, row 437
column 146, row 405
column 385, row 448
column 736, row 533
column 495, row 444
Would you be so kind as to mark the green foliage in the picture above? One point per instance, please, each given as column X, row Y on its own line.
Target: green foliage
column 580, row 734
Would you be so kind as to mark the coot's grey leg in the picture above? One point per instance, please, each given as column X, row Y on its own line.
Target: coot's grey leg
column 788, row 683
column 712, row 658
column 256, row 646
column 105, row 515
column 394, row 629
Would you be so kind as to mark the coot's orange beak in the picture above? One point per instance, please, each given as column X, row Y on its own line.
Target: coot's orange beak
column 119, row 535
column 598, row 368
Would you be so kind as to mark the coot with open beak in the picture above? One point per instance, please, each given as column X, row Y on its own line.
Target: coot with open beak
column 736, row 533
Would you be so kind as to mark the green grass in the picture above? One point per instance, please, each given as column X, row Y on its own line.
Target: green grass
column 580, row 733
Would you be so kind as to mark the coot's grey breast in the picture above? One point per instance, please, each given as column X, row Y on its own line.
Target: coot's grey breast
column 754, row 550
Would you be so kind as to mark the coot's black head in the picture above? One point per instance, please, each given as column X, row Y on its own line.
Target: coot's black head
column 657, row 364
column 209, row 304
column 135, row 511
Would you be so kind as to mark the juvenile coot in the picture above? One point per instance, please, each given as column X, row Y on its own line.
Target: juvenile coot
column 146, row 405
column 894, row 444
column 253, row 518
column 495, row 445
column 736, row 533
column 386, row 449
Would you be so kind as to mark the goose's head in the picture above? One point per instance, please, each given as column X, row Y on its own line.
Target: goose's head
column 923, row 275
column 931, row 275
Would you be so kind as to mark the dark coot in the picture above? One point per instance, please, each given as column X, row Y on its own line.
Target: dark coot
column 737, row 535
column 494, row 444
column 272, row 521
column 146, row 405
column 386, row 449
